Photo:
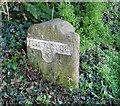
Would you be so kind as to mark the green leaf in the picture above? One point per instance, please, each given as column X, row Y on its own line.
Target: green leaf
column 90, row 85
column 9, row 88
column 39, row 98
column 4, row 83
column 21, row 61
column 14, row 67
column 105, row 92
column 31, row 87
column 21, row 88
column 28, row 101
column 4, row 70
column 48, row 11
column 110, row 96
column 6, row 95
column 32, row 9
column 46, row 16
column 12, row 82
column 60, row 102
column 47, row 101
column 95, row 95
column 44, row 96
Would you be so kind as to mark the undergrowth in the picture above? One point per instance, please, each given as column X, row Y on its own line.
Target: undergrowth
column 98, row 27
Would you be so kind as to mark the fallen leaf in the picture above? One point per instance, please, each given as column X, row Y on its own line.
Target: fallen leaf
column 12, row 80
column 18, row 80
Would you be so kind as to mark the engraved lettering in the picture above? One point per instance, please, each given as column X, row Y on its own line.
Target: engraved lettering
column 49, row 48
column 61, row 47
column 44, row 44
column 66, row 49
column 47, row 45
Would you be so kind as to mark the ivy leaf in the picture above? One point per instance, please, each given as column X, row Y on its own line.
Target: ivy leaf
column 90, row 85
column 21, row 61
column 39, row 98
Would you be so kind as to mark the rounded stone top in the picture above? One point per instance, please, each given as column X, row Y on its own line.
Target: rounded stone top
column 53, row 30
column 64, row 25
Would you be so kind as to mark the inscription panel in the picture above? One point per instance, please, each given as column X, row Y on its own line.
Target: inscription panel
column 49, row 48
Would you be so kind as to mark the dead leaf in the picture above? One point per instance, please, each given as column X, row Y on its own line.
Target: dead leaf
column 36, row 70
column 12, row 80
column 18, row 80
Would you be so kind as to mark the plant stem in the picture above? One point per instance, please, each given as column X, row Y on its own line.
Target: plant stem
column 52, row 12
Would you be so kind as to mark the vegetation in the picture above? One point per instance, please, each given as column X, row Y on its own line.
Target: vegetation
column 98, row 27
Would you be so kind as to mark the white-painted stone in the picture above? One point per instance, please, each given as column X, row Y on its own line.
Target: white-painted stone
column 49, row 48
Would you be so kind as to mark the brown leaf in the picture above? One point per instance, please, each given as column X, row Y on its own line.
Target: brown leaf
column 18, row 80
column 36, row 70
column 28, row 90
column 30, row 68
column 1, row 87
column 28, row 46
column 5, row 51
column 12, row 80
column 1, row 59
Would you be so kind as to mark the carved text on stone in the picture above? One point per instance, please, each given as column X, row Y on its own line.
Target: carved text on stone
column 49, row 48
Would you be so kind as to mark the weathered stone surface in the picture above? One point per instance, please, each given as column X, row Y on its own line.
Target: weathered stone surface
column 53, row 48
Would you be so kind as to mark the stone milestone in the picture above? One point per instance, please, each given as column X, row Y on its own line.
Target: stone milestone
column 53, row 48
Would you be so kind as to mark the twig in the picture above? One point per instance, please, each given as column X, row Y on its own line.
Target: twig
column 3, row 9
column 7, row 9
